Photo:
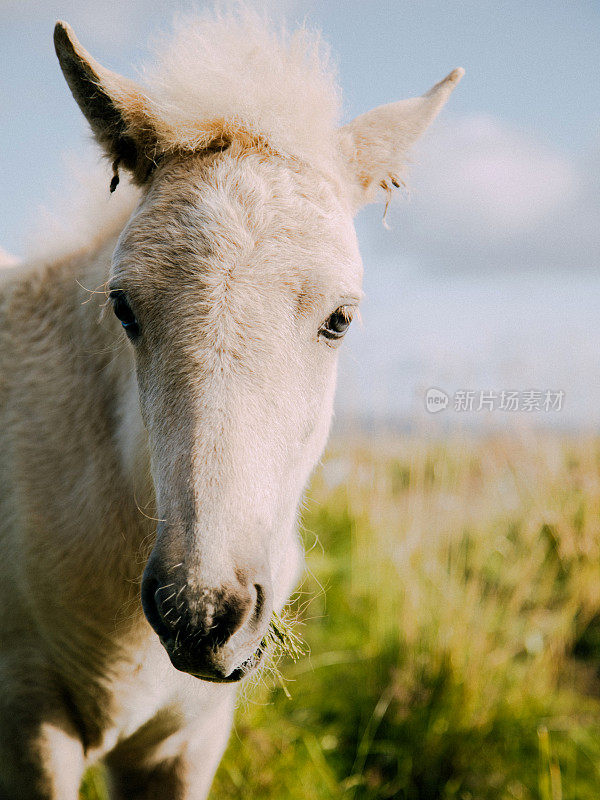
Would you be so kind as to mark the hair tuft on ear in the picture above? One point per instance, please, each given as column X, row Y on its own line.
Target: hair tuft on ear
column 114, row 106
column 375, row 144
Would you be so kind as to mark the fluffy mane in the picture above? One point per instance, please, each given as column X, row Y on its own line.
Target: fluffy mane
column 234, row 75
column 218, row 76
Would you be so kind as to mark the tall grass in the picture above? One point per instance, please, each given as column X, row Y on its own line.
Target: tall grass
column 452, row 611
column 453, row 630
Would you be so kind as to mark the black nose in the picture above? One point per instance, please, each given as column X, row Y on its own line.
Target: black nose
column 195, row 623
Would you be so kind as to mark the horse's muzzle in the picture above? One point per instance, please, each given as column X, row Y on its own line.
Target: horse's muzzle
column 213, row 634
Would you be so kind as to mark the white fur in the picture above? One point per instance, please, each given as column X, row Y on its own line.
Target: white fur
column 208, row 425
column 277, row 86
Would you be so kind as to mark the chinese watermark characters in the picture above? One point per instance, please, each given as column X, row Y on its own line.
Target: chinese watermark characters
column 481, row 400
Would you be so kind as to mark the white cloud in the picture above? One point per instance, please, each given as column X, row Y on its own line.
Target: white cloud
column 502, row 237
column 482, row 171
column 6, row 259
column 486, row 196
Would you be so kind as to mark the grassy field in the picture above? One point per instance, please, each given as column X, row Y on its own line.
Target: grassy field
column 452, row 611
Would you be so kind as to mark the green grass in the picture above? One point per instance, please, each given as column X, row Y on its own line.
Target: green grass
column 452, row 613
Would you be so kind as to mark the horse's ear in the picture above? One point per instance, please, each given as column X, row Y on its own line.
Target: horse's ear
column 115, row 107
column 374, row 145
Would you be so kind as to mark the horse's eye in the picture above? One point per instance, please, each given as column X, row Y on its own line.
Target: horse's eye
column 124, row 314
column 336, row 325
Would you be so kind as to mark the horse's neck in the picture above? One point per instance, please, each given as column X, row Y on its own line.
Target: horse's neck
column 73, row 453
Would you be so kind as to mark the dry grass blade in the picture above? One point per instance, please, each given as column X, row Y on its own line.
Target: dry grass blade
column 282, row 638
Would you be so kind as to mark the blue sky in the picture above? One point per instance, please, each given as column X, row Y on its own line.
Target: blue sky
column 502, row 227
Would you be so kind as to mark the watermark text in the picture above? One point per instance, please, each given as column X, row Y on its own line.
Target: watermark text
column 482, row 400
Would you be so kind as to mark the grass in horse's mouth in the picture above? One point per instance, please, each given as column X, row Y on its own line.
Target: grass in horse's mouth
column 281, row 640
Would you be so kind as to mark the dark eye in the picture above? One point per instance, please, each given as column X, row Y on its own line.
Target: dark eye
column 337, row 324
column 124, row 314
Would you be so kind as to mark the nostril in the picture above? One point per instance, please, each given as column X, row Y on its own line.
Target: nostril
column 259, row 604
column 223, row 613
column 150, row 605
column 199, row 622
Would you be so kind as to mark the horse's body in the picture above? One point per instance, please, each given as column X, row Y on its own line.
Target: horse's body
column 209, row 421
column 81, row 669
